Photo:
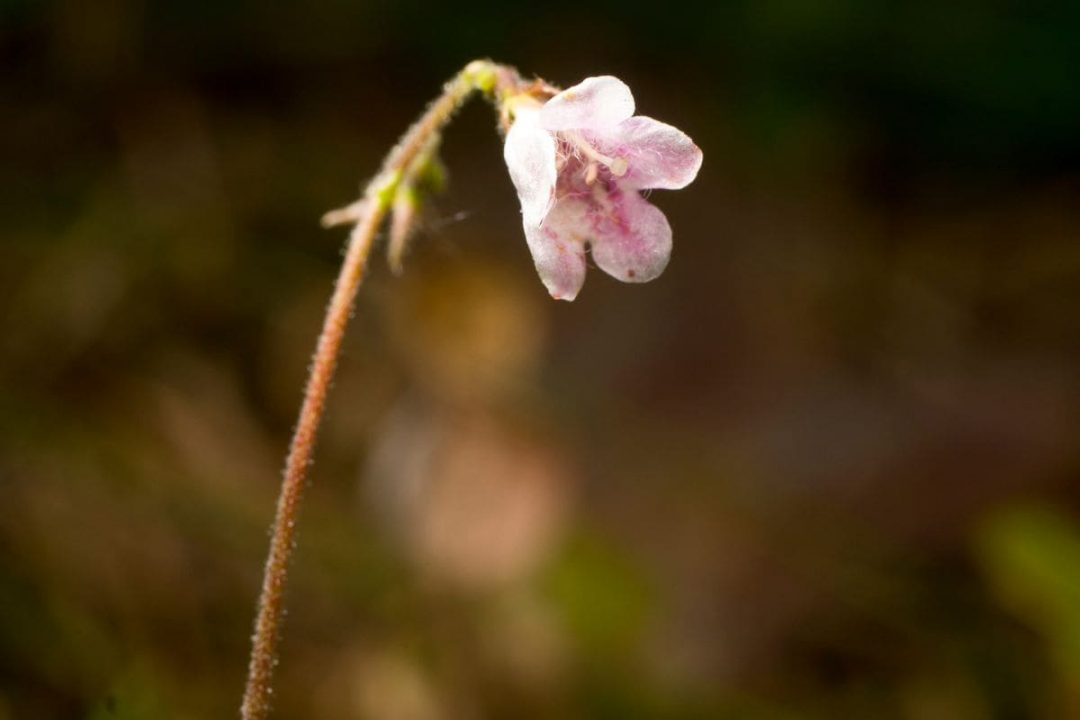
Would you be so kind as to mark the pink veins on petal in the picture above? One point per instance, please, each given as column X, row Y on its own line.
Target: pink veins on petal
column 578, row 163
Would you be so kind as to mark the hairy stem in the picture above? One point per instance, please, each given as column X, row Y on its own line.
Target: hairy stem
column 367, row 214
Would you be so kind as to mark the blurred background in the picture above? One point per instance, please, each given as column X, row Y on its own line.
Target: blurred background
column 824, row 467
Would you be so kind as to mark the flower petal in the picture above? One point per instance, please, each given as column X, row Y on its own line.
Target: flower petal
column 594, row 103
column 529, row 153
column 631, row 239
column 558, row 248
column 657, row 155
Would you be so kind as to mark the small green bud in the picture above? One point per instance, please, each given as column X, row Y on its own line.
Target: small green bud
column 432, row 177
column 384, row 194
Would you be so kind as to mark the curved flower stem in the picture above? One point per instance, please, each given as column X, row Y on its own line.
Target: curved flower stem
column 256, row 704
column 367, row 214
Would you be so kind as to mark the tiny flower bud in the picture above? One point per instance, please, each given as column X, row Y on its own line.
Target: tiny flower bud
column 424, row 177
column 402, row 225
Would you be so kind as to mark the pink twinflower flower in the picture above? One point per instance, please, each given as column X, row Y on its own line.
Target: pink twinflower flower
column 578, row 163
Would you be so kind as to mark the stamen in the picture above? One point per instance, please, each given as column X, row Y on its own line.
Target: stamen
column 617, row 165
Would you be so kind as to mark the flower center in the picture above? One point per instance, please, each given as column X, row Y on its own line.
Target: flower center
column 616, row 165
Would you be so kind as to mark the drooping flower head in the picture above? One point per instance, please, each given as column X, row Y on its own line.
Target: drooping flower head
column 578, row 163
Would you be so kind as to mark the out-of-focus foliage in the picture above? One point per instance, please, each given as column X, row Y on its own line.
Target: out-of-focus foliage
column 1033, row 558
column 824, row 467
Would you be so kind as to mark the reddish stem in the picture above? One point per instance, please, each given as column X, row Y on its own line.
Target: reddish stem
column 256, row 704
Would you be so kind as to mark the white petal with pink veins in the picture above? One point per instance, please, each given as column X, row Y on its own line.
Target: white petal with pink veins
column 593, row 104
column 529, row 152
column 558, row 248
column 631, row 238
column 658, row 156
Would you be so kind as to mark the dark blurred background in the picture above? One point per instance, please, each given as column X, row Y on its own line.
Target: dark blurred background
column 824, row 467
